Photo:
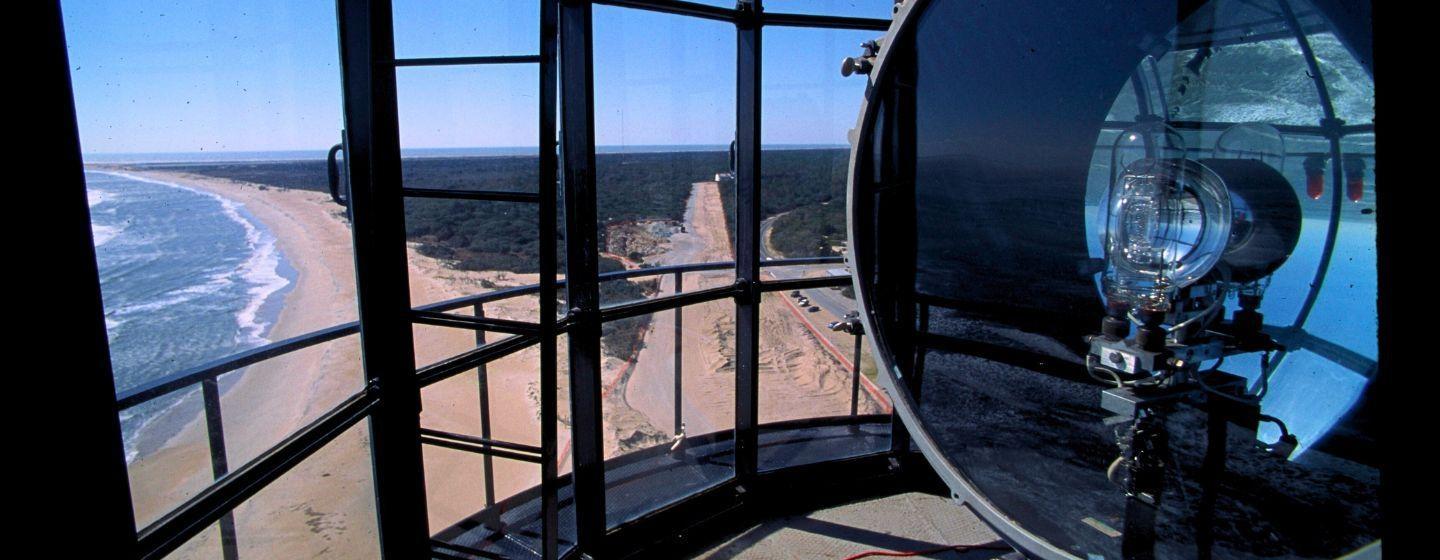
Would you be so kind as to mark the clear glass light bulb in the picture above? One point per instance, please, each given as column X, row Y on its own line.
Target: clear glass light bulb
column 1166, row 224
column 1147, row 139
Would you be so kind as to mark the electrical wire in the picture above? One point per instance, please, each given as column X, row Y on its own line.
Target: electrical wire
column 1091, row 366
column 954, row 547
column 1284, row 430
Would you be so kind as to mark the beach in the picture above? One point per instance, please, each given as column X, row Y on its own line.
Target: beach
column 324, row 506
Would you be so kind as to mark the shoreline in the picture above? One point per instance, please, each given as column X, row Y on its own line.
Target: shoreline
column 265, row 402
column 154, row 433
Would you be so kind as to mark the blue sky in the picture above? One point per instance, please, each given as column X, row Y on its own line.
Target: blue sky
column 184, row 76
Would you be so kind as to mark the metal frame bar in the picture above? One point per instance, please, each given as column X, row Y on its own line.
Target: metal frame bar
column 441, row 319
column 748, row 59
column 549, row 262
column 482, row 446
column 217, row 500
column 458, row 194
column 459, row 363
column 466, row 60
column 196, row 375
column 735, row 15
column 582, row 261
column 95, row 443
column 381, row 273
column 482, row 395
column 678, row 414
column 219, row 464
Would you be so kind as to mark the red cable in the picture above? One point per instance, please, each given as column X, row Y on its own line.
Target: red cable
column 955, row 547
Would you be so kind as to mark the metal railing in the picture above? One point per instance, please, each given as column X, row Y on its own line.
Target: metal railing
column 207, row 375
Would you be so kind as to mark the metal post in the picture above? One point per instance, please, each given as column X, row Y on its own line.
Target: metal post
column 219, row 465
column 482, row 382
column 747, row 238
column 582, row 260
column 899, row 437
column 549, row 381
column 679, row 368
column 96, row 442
column 381, row 274
column 855, row 377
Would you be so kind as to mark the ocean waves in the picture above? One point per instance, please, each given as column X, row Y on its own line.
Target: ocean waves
column 187, row 277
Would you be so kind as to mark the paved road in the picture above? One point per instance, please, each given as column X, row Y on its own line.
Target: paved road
column 826, row 298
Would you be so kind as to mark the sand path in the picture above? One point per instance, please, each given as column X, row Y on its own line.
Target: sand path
column 798, row 377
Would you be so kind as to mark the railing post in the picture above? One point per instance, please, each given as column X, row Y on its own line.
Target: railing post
column 483, row 382
column 219, row 465
column 679, row 363
column 855, row 377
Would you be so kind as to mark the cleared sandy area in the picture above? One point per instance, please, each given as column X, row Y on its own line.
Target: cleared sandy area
column 324, row 507
column 799, row 378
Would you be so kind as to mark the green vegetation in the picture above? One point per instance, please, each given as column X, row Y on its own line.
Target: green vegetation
column 804, row 190
column 624, row 338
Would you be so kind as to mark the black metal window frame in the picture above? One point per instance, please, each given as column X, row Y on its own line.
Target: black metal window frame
column 390, row 398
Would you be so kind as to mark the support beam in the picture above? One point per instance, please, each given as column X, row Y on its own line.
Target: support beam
column 89, row 394
column 381, row 274
column 582, row 259
column 747, row 239
column 549, row 262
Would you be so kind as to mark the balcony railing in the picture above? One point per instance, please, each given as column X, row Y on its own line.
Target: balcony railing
column 232, row 487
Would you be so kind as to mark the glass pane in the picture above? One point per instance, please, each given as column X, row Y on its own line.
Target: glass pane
column 809, row 109
column 491, row 503
column 205, row 130
column 1264, row 81
column 652, row 457
column 488, row 110
column 468, row 247
column 322, row 508
column 427, row 28
column 880, row 9
column 808, row 366
column 1352, row 92
column 664, row 119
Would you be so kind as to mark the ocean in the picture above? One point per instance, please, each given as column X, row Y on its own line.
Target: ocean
column 187, row 277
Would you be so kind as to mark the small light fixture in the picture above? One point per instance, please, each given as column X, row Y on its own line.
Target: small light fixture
column 1355, row 178
column 1315, row 177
